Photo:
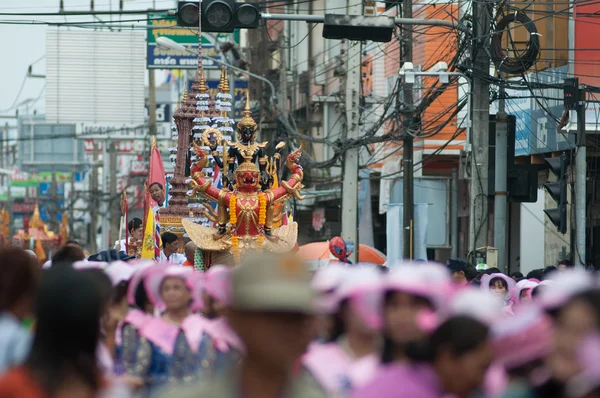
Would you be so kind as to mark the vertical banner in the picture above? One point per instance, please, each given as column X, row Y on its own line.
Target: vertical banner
column 395, row 241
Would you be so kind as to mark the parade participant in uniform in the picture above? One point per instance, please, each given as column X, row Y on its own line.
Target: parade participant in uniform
column 170, row 247
column 521, row 344
column 499, row 285
column 271, row 307
column 108, row 323
column 325, row 283
column 63, row 358
column 452, row 361
column 140, row 313
column 168, row 351
column 136, row 233
column 224, row 345
column 578, row 318
column 411, row 292
column 350, row 357
column 18, row 284
column 190, row 254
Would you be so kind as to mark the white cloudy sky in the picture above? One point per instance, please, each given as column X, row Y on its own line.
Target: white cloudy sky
column 22, row 45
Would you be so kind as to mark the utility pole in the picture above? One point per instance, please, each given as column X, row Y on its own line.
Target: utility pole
column 500, row 182
column 580, row 184
column 283, row 95
column 454, row 215
column 478, row 192
column 115, row 210
column 152, row 102
column 151, row 95
column 350, row 177
column 408, row 141
column 93, row 201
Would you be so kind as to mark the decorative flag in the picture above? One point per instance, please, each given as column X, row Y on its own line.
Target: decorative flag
column 157, row 238
column 156, row 172
column 149, row 242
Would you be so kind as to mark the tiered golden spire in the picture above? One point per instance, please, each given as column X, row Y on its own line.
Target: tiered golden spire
column 225, row 81
column 247, row 120
column 222, row 81
column 202, row 83
column 36, row 221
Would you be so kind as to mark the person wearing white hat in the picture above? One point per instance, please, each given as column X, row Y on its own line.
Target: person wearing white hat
column 140, row 312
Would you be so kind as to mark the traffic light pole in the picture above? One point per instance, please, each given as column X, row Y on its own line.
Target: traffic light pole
column 350, row 177
column 500, row 182
column 408, row 141
column 580, row 185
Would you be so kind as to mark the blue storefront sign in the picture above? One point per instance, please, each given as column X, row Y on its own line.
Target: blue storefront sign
column 536, row 129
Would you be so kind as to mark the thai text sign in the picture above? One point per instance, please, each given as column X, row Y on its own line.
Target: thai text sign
column 161, row 25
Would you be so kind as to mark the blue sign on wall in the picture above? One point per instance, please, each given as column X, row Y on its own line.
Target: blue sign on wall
column 536, row 130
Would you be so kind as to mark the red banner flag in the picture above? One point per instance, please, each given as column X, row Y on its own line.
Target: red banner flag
column 156, row 171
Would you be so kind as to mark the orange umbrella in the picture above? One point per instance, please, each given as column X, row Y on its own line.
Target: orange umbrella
column 319, row 252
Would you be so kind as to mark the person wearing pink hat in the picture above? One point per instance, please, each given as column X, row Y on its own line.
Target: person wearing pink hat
column 586, row 384
column 169, row 343
column 521, row 344
column 223, row 346
column 139, row 313
column 325, row 283
column 349, row 358
column 452, row 361
column 498, row 285
column 575, row 321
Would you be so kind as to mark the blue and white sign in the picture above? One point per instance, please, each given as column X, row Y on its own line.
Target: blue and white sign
column 161, row 25
column 536, row 129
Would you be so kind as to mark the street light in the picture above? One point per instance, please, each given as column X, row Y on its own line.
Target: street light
column 440, row 70
column 167, row 44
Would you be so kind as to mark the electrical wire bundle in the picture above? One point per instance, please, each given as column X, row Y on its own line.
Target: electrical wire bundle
column 523, row 62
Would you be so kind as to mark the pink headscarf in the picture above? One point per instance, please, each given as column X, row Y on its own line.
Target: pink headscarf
column 523, row 338
column 362, row 287
column 428, row 280
column 325, row 283
column 487, row 278
column 218, row 283
column 154, row 279
column 143, row 269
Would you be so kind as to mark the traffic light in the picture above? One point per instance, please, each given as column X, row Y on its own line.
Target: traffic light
column 218, row 15
column 358, row 27
column 571, row 94
column 558, row 191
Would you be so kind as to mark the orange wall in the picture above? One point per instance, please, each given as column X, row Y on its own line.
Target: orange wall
column 437, row 44
column 587, row 62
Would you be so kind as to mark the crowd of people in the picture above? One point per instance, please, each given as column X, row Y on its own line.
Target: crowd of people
column 271, row 327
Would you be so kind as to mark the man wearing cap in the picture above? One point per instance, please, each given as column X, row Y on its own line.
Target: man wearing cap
column 271, row 311
column 458, row 268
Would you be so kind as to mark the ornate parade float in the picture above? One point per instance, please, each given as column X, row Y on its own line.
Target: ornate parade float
column 246, row 204
column 239, row 207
